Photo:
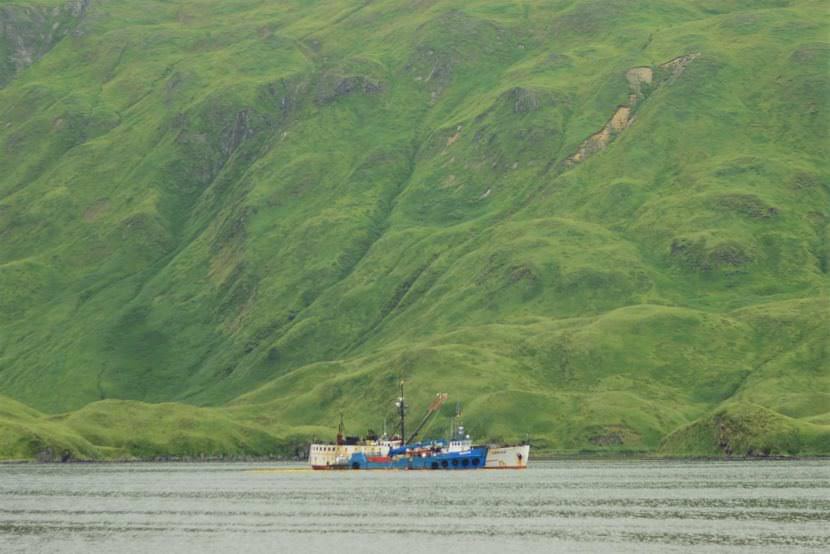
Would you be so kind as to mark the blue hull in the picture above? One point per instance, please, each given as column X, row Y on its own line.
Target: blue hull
column 475, row 458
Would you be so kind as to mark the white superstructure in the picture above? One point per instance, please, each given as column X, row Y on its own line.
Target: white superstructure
column 325, row 456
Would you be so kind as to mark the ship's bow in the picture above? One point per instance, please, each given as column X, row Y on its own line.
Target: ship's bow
column 508, row 457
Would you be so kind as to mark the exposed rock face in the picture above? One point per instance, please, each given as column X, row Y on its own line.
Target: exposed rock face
column 333, row 87
column 28, row 33
column 701, row 255
column 209, row 135
column 45, row 456
column 640, row 82
column 523, row 100
column 613, row 438
column 598, row 141
column 677, row 66
column 638, row 78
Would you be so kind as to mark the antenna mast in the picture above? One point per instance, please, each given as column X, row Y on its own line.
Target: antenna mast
column 340, row 431
column 401, row 404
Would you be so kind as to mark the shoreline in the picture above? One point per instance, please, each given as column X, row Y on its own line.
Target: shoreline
column 540, row 458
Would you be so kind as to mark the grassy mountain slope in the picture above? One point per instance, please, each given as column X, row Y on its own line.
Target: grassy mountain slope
column 603, row 225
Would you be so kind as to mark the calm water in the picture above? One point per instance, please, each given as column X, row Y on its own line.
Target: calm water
column 568, row 506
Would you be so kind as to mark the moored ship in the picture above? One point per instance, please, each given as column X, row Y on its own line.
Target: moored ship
column 457, row 453
column 338, row 455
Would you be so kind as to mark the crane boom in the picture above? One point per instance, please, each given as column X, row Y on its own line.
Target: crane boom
column 436, row 404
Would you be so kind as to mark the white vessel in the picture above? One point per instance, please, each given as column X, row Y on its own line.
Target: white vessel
column 507, row 457
column 333, row 456
column 337, row 455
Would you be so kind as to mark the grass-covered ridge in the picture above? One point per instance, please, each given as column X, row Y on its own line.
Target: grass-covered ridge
column 602, row 225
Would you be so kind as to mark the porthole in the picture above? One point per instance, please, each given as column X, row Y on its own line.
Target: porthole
column 475, row 461
column 455, row 462
column 444, row 463
column 465, row 462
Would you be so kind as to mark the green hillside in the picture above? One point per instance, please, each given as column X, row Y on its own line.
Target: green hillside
column 602, row 225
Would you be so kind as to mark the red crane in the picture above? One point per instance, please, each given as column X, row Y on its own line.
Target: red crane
column 436, row 404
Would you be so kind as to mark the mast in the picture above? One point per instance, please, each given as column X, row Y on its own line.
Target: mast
column 401, row 404
column 340, row 431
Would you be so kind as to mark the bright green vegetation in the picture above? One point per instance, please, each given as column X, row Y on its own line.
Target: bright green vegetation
column 599, row 224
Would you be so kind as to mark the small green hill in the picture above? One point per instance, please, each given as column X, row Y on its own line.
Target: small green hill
column 26, row 434
column 600, row 225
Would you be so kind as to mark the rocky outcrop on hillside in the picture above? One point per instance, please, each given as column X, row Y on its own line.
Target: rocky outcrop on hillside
column 27, row 33
column 641, row 81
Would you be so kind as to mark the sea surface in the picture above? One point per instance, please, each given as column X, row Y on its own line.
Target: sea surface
column 561, row 506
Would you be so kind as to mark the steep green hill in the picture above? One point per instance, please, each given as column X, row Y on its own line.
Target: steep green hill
column 599, row 224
